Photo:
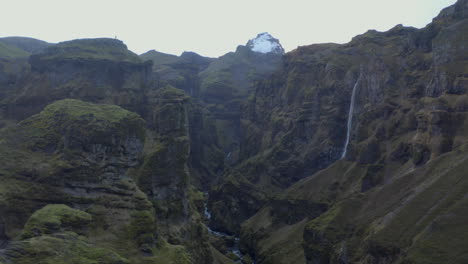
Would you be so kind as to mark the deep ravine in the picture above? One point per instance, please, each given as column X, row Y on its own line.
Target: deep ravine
column 234, row 249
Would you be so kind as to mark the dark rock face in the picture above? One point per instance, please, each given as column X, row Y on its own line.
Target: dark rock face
column 225, row 86
column 181, row 72
column 262, row 133
column 164, row 175
column 3, row 237
column 82, row 154
column 93, row 155
column 292, row 211
column 227, row 218
column 220, row 87
column 296, row 125
column 75, row 70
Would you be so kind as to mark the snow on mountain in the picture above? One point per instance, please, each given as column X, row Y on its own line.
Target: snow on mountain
column 265, row 43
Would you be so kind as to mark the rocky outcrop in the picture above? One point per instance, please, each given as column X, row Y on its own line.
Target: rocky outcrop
column 268, row 135
column 225, row 86
column 403, row 124
column 178, row 71
column 227, row 218
column 78, row 154
column 166, row 177
column 99, row 70
column 104, row 71
column 384, row 226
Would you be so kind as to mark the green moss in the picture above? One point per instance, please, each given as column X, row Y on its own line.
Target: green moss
column 332, row 224
column 159, row 58
column 29, row 45
column 167, row 159
column 171, row 254
column 63, row 248
column 324, row 233
column 445, row 239
column 144, row 176
column 11, row 52
column 217, row 84
column 142, row 227
column 430, row 224
column 96, row 49
column 24, row 188
column 55, row 218
column 172, row 94
column 76, row 109
column 196, row 195
column 77, row 120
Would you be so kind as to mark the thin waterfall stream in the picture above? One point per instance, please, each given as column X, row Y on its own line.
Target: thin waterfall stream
column 350, row 118
column 235, row 247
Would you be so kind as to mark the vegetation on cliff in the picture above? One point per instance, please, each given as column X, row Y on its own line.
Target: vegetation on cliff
column 106, row 158
column 95, row 49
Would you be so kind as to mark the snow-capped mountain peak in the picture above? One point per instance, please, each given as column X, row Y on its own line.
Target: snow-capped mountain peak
column 265, row 43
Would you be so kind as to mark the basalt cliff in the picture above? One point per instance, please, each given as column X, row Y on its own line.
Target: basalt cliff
column 328, row 154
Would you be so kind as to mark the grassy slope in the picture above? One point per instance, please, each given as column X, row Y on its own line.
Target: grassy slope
column 11, row 52
column 163, row 65
column 417, row 211
column 86, row 120
column 412, row 213
column 159, row 58
column 98, row 49
column 29, row 45
column 45, row 150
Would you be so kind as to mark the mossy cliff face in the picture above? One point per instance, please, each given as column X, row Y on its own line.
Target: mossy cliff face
column 233, row 75
column 264, row 135
column 203, row 129
column 68, row 130
column 225, row 86
column 220, row 88
column 409, row 119
column 55, row 234
column 178, row 71
column 13, row 65
column 165, row 175
column 78, row 154
column 208, row 127
column 97, row 70
column 407, row 220
column 29, row 45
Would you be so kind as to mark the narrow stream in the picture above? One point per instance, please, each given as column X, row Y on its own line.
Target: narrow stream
column 235, row 247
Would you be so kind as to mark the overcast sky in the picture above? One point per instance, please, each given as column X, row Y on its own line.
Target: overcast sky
column 210, row 27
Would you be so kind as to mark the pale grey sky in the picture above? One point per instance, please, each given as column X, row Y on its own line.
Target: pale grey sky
column 210, row 27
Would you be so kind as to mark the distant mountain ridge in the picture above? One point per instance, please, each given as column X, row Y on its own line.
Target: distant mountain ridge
column 29, row 45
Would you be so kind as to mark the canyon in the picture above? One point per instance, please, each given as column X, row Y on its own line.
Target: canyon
column 330, row 153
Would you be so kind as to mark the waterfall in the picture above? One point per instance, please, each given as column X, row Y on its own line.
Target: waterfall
column 234, row 248
column 350, row 118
